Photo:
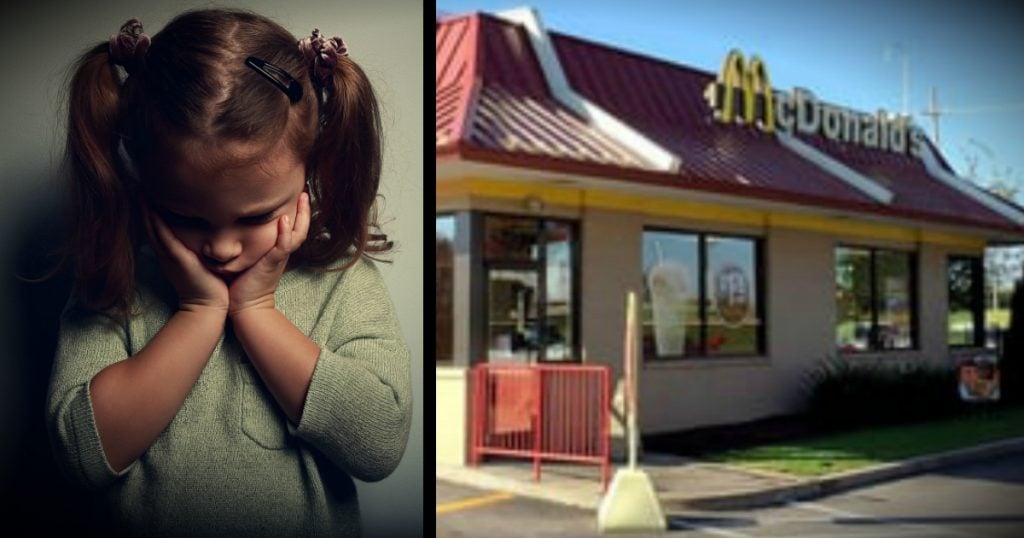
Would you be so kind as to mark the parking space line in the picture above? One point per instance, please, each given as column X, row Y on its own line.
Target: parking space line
column 475, row 502
column 816, row 507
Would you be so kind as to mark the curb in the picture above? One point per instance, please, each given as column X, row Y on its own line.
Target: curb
column 830, row 484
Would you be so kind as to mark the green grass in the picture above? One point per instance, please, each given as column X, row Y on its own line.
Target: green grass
column 815, row 456
column 999, row 317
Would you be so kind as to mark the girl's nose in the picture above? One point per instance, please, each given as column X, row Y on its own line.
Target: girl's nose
column 222, row 248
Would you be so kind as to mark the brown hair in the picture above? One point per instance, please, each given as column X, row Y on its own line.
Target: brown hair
column 194, row 85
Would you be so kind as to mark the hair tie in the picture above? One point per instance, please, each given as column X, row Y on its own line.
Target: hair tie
column 128, row 47
column 322, row 54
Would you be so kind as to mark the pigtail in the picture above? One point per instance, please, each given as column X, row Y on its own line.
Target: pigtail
column 346, row 161
column 99, row 240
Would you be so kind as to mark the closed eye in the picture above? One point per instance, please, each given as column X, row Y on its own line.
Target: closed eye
column 258, row 219
column 174, row 219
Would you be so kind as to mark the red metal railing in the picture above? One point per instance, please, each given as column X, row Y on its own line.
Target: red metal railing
column 542, row 412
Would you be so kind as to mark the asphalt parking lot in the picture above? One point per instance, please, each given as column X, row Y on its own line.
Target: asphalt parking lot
column 979, row 500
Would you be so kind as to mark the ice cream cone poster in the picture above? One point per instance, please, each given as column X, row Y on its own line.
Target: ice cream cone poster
column 669, row 288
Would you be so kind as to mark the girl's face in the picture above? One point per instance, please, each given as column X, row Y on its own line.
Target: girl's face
column 228, row 216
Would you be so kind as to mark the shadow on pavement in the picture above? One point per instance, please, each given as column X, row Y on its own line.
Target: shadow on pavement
column 677, row 523
column 931, row 520
column 999, row 469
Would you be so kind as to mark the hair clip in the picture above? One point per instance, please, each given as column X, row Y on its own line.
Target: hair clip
column 289, row 86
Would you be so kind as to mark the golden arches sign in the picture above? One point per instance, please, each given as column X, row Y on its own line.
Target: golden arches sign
column 742, row 93
column 749, row 82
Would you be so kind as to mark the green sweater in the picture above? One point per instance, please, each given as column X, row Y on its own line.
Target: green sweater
column 230, row 463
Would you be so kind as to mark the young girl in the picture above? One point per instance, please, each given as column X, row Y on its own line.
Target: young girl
column 229, row 358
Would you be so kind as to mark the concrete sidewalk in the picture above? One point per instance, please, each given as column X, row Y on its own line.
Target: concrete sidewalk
column 687, row 484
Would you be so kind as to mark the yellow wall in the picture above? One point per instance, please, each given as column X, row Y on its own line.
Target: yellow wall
column 452, row 429
column 555, row 195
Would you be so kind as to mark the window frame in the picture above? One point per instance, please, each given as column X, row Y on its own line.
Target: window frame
column 437, row 216
column 874, row 333
column 702, row 265
column 977, row 296
column 540, row 266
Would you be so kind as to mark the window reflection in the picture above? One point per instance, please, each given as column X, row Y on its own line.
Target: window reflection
column 853, row 299
column 558, row 337
column 673, row 325
column 671, row 311
column 513, row 316
column 732, row 299
column 511, row 239
column 444, row 256
column 530, row 267
column 965, row 304
column 874, row 299
column 892, row 288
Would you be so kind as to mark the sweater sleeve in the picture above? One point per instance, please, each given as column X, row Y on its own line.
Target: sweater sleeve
column 86, row 344
column 358, row 408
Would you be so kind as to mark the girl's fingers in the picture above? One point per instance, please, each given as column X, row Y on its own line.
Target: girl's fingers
column 279, row 252
column 302, row 220
column 284, row 235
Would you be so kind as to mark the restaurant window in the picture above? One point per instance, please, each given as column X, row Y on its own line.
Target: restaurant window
column 532, row 312
column 966, row 302
column 701, row 296
column 875, row 300
column 444, row 258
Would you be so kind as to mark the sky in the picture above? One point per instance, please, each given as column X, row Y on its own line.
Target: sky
column 848, row 53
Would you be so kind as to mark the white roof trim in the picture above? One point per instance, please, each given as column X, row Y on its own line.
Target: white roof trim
column 967, row 188
column 649, row 150
column 845, row 173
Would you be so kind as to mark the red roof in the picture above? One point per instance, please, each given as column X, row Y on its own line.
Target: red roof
column 455, row 71
column 490, row 94
column 493, row 105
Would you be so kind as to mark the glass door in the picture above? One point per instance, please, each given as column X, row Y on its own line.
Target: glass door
column 513, row 315
column 558, row 335
column 530, row 267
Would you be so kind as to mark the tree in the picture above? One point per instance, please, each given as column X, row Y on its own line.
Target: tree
column 1002, row 270
column 1002, row 264
column 1003, row 181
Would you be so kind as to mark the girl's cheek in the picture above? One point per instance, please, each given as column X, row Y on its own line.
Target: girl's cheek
column 191, row 240
column 267, row 237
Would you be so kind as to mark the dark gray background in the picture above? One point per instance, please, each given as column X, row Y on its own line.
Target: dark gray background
column 38, row 41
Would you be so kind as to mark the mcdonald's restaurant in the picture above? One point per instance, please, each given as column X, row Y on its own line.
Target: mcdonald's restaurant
column 764, row 230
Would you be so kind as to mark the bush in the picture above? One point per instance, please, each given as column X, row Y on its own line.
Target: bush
column 844, row 395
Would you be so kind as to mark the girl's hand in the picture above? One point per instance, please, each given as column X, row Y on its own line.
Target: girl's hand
column 256, row 286
column 197, row 287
